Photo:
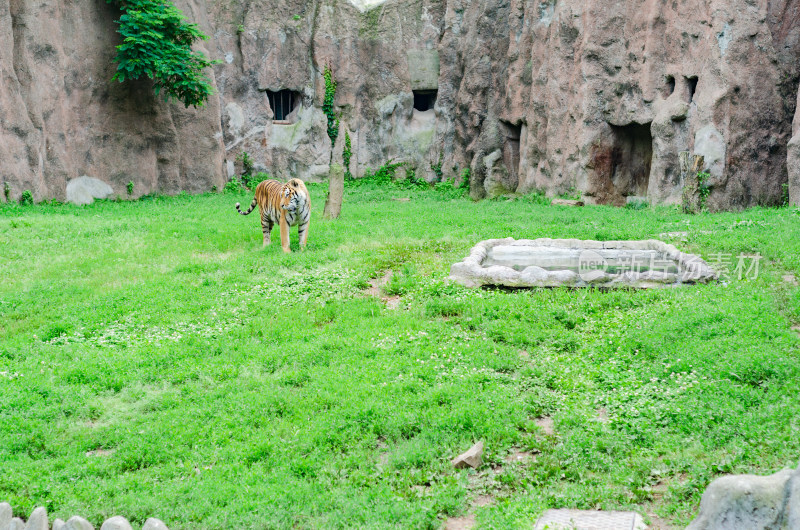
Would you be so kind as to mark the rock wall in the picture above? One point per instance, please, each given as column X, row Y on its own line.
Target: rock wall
column 560, row 96
column 61, row 117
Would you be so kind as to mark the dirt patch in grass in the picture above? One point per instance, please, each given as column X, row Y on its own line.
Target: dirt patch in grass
column 376, row 289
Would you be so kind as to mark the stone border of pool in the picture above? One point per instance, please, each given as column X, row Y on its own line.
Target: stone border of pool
column 472, row 273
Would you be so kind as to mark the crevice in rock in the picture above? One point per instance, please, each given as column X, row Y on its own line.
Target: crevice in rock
column 691, row 86
column 670, row 86
column 511, row 149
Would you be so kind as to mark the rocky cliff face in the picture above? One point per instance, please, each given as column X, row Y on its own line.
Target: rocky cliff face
column 61, row 117
column 595, row 97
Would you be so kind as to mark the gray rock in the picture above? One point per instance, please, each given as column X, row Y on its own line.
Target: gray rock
column 423, row 69
column 793, row 159
column 566, row 202
column 472, row 458
column 154, row 524
column 16, row 524
column 751, row 502
column 38, row 520
column 78, row 523
column 116, row 523
column 84, row 190
column 5, row 515
column 59, row 524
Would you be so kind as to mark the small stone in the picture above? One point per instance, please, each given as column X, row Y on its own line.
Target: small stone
column 566, row 202
column 78, row 523
column 5, row 515
column 116, row 523
column 16, row 524
column 38, row 520
column 472, row 458
column 154, row 524
column 59, row 524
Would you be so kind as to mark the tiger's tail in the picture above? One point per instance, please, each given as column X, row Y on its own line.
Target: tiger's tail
column 252, row 207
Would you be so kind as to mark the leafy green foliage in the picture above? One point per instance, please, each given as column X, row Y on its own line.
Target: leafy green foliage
column 234, row 185
column 703, row 189
column 247, row 163
column 347, row 153
column 327, row 104
column 27, row 198
column 436, row 167
column 384, row 175
column 6, row 191
column 129, row 187
column 251, row 181
column 157, row 43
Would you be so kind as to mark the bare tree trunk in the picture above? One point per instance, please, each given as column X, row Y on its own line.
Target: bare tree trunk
column 691, row 199
column 333, row 203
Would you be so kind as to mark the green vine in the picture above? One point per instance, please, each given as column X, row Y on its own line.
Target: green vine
column 327, row 104
column 436, row 167
column 347, row 153
column 702, row 187
column 157, row 43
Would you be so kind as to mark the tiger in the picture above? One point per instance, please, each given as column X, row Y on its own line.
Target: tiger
column 285, row 204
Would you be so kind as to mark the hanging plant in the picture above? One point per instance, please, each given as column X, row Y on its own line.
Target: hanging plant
column 157, row 43
column 327, row 104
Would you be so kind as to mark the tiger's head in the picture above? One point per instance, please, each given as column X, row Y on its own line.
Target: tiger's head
column 290, row 198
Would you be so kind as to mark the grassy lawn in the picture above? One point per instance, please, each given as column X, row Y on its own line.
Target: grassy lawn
column 156, row 362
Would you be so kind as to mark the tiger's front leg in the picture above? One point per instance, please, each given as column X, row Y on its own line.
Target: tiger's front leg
column 284, row 234
column 302, row 231
column 266, row 227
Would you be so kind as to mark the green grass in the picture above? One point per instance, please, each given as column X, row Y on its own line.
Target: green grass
column 156, row 362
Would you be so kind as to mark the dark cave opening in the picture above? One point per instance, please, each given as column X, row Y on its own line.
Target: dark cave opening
column 631, row 157
column 424, row 99
column 282, row 103
column 691, row 83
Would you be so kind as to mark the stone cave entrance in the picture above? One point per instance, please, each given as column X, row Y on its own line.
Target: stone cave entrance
column 282, row 103
column 512, row 134
column 424, row 99
column 631, row 157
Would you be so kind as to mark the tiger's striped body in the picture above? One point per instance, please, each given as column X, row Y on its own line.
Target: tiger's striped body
column 285, row 204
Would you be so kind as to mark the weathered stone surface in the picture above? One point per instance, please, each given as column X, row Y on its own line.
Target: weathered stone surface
column 78, row 523
column 16, row 524
column 471, row 458
column 84, row 190
column 59, row 524
column 154, row 524
column 793, row 159
column 577, row 263
column 589, row 520
column 753, row 502
column 116, row 523
column 38, row 520
column 5, row 514
column 567, row 202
